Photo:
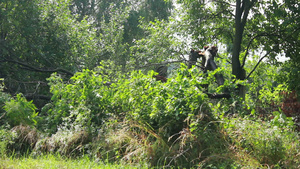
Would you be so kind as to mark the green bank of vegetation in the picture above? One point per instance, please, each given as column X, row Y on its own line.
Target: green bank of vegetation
column 96, row 84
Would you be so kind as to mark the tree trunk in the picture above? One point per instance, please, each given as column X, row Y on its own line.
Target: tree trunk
column 241, row 13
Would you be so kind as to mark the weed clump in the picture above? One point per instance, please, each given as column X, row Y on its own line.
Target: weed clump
column 70, row 143
column 24, row 140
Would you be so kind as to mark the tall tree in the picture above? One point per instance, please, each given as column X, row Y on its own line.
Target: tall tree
column 245, row 26
column 117, row 22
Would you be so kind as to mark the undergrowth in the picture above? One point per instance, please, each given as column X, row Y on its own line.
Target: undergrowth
column 139, row 121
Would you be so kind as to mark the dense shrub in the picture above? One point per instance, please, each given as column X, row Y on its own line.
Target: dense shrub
column 160, row 104
column 145, row 114
column 88, row 100
column 20, row 111
column 84, row 100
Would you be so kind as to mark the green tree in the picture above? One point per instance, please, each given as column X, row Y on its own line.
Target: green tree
column 39, row 38
column 160, row 47
column 245, row 26
column 117, row 23
column 83, row 8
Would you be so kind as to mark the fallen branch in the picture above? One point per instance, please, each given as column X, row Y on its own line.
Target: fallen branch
column 2, row 116
column 31, row 68
column 219, row 96
column 37, row 96
column 163, row 63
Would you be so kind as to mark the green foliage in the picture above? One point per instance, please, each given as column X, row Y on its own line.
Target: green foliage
column 159, row 104
column 289, row 74
column 160, row 44
column 275, row 29
column 6, row 138
column 271, row 143
column 136, row 119
column 281, row 121
column 50, row 161
column 39, row 38
column 20, row 111
column 85, row 100
column 112, row 36
column 246, row 27
column 4, row 97
column 145, row 110
column 112, row 115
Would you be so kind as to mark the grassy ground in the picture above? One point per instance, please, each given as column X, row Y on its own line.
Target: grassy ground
column 55, row 162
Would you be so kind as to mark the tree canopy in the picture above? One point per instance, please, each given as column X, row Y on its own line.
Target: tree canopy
column 42, row 37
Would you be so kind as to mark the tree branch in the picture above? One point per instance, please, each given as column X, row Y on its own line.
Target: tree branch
column 2, row 115
column 258, row 64
column 219, row 96
column 31, row 68
column 222, row 2
column 249, row 44
column 37, row 96
column 247, row 50
column 163, row 63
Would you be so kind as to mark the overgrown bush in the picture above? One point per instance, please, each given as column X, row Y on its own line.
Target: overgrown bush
column 85, row 100
column 20, row 111
column 271, row 143
column 162, row 123
column 160, row 104
column 88, row 100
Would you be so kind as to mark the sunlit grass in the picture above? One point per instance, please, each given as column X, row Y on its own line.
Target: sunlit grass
column 56, row 162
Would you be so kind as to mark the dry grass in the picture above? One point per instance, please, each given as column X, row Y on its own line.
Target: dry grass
column 26, row 134
column 68, row 143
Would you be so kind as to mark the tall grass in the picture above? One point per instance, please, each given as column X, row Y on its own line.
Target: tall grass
column 263, row 144
column 228, row 142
